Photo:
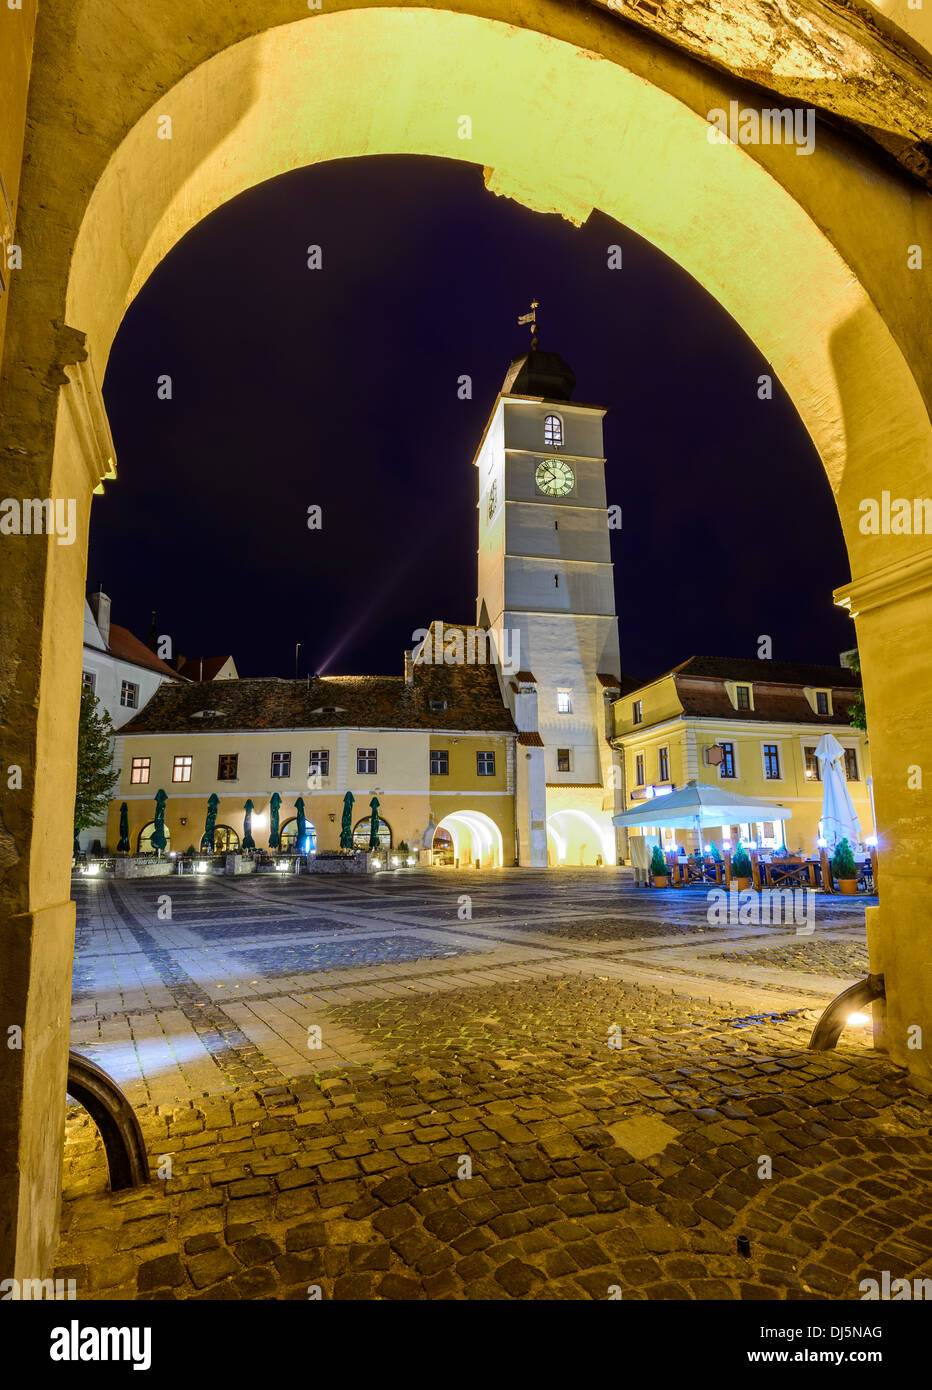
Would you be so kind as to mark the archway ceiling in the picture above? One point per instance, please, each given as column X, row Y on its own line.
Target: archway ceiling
column 845, row 57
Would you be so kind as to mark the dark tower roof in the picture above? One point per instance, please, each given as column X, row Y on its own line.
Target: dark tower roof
column 540, row 374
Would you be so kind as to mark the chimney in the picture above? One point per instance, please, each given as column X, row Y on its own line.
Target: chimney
column 153, row 634
column 409, row 668
column 100, row 607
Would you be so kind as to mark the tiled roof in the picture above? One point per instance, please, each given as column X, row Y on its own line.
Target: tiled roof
column 613, row 681
column 531, row 740
column 126, row 647
column 470, row 695
column 736, row 668
column 203, row 668
column 778, row 689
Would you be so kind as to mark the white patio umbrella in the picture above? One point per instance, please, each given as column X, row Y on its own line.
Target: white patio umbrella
column 839, row 819
column 699, row 804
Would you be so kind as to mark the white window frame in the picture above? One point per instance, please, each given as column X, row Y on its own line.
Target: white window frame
column 781, row 761
column 187, row 765
column 735, row 758
column 318, row 762
column 281, row 754
column 367, row 755
column 132, row 686
column 855, row 749
column 554, row 443
column 661, row 775
column 564, row 697
column 135, row 781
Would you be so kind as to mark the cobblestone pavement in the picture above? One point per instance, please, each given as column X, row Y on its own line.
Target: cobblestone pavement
column 573, row 1091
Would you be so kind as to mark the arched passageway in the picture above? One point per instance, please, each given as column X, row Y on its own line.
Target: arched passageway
column 566, row 113
column 477, row 840
column 575, row 838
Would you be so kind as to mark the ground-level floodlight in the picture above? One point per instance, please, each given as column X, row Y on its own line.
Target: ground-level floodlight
column 844, row 1009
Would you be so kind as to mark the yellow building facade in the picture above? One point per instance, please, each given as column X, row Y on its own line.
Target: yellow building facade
column 750, row 726
column 436, row 748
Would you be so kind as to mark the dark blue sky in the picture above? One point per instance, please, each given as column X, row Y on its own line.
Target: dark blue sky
column 338, row 387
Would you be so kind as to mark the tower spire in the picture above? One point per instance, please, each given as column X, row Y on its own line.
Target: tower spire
column 531, row 319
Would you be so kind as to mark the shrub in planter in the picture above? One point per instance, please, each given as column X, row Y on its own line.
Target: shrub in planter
column 716, row 853
column 844, row 867
column 741, row 867
column 658, row 868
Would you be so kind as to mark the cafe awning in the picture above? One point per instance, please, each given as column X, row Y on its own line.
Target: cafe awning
column 700, row 803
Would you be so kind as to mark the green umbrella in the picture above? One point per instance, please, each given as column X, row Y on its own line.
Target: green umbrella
column 207, row 839
column 374, row 824
column 158, row 834
column 123, row 846
column 274, row 804
column 248, row 841
column 346, row 823
column 302, row 824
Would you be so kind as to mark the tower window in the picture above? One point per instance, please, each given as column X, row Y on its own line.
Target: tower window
column 564, row 702
column 553, row 431
column 563, row 760
column 556, row 581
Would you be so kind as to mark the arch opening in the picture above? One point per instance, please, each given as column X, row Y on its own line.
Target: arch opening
column 475, row 838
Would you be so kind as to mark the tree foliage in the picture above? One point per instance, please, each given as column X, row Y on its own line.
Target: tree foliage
column 96, row 776
column 857, row 715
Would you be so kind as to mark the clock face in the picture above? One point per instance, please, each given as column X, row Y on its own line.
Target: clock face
column 554, row 478
column 493, row 498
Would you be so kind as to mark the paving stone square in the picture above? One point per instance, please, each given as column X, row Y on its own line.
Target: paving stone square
column 351, row 1091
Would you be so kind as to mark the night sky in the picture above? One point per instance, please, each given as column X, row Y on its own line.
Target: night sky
column 338, row 387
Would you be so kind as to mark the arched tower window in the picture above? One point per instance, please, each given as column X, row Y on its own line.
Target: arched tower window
column 553, row 431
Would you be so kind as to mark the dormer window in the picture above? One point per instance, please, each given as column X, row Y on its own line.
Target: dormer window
column 553, row 432
column 740, row 695
column 819, row 701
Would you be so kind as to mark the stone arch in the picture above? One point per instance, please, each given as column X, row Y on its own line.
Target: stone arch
column 578, row 838
column 569, row 112
column 475, row 837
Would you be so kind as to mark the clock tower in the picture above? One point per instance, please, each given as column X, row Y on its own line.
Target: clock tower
column 545, row 579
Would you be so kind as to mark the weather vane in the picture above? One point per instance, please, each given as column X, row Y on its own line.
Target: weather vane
column 531, row 318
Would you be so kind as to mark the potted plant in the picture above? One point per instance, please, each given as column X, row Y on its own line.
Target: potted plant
column 741, row 868
column 658, row 868
column 716, row 852
column 844, row 867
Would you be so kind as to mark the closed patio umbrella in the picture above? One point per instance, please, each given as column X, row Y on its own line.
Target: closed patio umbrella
column 210, row 825
column 248, row 841
column 158, row 829
column 302, row 825
column 123, row 845
column 274, row 806
column 346, row 822
column 839, row 819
